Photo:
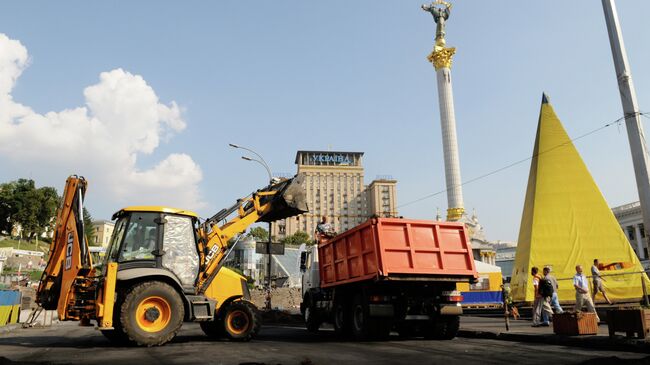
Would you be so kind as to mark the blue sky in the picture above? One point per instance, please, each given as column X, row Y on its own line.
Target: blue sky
column 287, row 75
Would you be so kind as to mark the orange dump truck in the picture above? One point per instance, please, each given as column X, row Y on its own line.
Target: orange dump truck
column 388, row 274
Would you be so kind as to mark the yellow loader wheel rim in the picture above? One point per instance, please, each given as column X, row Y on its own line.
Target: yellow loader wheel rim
column 153, row 314
column 237, row 322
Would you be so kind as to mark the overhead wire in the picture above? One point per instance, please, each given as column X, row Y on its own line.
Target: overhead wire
column 480, row 177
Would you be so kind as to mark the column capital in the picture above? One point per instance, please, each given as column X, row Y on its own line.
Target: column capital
column 441, row 57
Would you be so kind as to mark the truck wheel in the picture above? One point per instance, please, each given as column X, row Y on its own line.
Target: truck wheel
column 310, row 315
column 443, row 328
column 151, row 314
column 365, row 327
column 342, row 320
column 241, row 321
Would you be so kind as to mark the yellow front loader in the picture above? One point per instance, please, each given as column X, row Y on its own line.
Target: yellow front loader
column 162, row 267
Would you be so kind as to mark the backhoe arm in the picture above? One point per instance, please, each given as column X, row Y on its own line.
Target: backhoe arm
column 69, row 255
column 277, row 201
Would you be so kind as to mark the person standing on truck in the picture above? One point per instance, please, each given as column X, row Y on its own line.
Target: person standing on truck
column 597, row 280
column 555, row 302
column 324, row 229
column 541, row 308
column 582, row 292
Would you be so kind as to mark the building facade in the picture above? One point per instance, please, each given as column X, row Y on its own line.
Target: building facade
column 630, row 218
column 335, row 188
column 103, row 230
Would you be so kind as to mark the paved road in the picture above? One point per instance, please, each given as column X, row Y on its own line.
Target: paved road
column 67, row 343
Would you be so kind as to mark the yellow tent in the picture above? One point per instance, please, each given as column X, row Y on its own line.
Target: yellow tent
column 566, row 222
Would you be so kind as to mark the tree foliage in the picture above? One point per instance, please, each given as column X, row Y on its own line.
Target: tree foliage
column 21, row 203
column 297, row 238
column 89, row 230
column 259, row 234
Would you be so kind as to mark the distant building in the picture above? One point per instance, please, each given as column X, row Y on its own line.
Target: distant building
column 505, row 257
column 334, row 184
column 382, row 197
column 102, row 232
column 630, row 218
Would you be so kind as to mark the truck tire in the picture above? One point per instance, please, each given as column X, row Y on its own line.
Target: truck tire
column 241, row 321
column 310, row 314
column 151, row 314
column 365, row 327
column 443, row 328
column 341, row 319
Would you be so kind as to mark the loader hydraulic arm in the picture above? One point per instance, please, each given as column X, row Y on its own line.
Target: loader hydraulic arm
column 68, row 256
column 277, row 201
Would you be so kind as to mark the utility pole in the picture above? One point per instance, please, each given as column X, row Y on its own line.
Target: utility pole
column 268, row 272
column 631, row 112
column 262, row 162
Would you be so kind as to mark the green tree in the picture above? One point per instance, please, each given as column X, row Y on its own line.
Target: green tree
column 8, row 207
column 89, row 230
column 49, row 200
column 297, row 238
column 23, row 204
column 259, row 234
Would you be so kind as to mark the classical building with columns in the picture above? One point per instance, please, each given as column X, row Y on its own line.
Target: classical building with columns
column 335, row 188
column 630, row 218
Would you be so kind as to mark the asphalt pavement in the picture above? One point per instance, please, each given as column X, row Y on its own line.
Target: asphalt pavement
column 67, row 343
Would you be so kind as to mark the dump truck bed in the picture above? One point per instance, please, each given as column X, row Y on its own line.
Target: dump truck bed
column 399, row 249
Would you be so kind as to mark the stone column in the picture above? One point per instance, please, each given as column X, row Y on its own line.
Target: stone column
column 441, row 58
column 639, row 241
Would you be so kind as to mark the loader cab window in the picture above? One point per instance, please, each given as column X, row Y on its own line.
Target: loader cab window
column 116, row 239
column 181, row 256
column 141, row 237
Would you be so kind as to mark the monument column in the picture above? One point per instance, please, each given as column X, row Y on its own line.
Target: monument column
column 441, row 60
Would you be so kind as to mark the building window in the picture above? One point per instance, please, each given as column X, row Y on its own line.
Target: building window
column 630, row 232
column 642, row 230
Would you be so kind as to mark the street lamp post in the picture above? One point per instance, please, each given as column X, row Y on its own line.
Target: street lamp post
column 262, row 162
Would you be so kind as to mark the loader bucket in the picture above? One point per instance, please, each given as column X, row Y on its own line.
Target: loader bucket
column 289, row 201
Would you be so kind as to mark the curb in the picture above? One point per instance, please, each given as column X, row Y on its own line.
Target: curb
column 9, row 327
column 594, row 342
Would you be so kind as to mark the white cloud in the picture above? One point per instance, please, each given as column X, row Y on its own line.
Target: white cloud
column 122, row 119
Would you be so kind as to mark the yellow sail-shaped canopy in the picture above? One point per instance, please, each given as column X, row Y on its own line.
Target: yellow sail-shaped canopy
column 566, row 221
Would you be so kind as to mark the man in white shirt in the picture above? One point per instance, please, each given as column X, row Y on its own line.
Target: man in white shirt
column 582, row 292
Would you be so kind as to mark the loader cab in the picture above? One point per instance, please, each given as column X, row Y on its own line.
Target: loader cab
column 157, row 238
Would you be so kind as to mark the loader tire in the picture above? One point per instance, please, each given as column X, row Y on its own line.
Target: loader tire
column 241, row 321
column 151, row 314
